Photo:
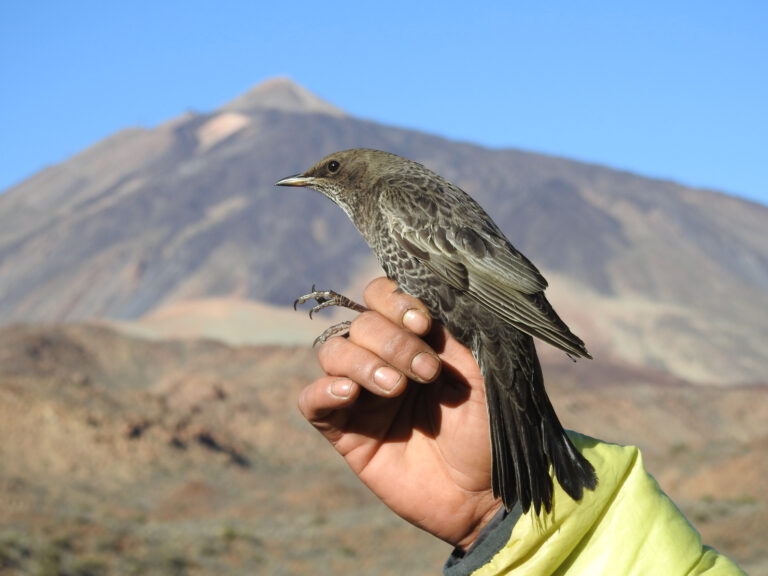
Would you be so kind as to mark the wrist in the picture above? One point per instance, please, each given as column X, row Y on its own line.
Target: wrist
column 493, row 536
column 484, row 517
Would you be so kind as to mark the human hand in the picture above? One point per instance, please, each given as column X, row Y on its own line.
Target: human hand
column 419, row 440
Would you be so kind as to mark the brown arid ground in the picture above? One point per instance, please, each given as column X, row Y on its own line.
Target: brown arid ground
column 124, row 455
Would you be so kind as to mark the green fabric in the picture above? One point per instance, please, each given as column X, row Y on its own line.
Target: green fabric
column 626, row 526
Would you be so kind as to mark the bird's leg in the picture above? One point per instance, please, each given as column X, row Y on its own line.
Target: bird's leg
column 325, row 299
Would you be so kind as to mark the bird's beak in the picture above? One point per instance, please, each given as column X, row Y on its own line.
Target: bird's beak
column 296, row 180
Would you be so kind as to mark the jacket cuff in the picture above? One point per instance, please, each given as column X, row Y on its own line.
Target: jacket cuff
column 491, row 539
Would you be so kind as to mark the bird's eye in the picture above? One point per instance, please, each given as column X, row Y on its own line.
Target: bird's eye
column 333, row 166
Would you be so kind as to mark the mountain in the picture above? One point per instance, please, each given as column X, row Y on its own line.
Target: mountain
column 646, row 271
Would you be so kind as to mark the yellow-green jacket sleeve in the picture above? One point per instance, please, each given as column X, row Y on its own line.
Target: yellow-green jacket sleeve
column 626, row 526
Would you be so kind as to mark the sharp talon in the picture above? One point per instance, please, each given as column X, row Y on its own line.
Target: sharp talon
column 337, row 330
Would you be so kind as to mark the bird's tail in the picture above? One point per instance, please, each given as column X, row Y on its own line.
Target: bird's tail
column 526, row 435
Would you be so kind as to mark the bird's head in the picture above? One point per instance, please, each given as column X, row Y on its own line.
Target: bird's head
column 347, row 177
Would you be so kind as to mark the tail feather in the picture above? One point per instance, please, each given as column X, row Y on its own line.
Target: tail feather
column 572, row 470
column 506, row 477
column 526, row 435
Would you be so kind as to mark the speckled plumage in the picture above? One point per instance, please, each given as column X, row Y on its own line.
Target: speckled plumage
column 440, row 246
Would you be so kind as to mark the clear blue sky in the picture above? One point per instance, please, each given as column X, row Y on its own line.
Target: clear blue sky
column 674, row 90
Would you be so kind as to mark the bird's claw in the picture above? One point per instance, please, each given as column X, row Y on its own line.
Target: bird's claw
column 325, row 299
column 305, row 298
column 341, row 329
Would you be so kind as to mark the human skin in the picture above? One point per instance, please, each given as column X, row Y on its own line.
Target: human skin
column 403, row 402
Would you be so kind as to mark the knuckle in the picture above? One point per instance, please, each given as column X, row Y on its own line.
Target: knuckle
column 400, row 302
column 377, row 289
column 371, row 288
column 362, row 323
column 303, row 400
column 329, row 350
column 398, row 345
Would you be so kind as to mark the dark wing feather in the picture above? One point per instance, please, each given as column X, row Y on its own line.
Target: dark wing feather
column 454, row 237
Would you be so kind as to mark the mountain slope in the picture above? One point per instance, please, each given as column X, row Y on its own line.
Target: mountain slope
column 187, row 210
column 127, row 454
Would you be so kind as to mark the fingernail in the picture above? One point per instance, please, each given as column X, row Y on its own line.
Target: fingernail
column 387, row 378
column 416, row 321
column 341, row 388
column 425, row 366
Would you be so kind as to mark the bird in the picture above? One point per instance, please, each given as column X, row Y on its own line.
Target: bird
column 439, row 245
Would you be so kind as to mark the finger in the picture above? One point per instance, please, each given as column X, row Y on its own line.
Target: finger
column 384, row 296
column 398, row 347
column 342, row 358
column 322, row 404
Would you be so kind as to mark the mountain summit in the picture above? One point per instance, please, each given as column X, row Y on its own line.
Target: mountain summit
column 281, row 94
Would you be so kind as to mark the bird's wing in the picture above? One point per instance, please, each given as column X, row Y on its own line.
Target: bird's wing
column 452, row 235
column 448, row 225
